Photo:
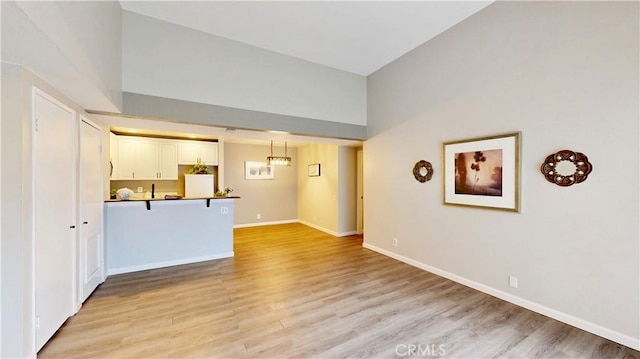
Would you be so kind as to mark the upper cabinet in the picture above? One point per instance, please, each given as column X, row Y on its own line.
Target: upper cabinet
column 168, row 160
column 143, row 158
column 140, row 158
column 146, row 160
column 191, row 152
column 126, row 157
column 113, row 156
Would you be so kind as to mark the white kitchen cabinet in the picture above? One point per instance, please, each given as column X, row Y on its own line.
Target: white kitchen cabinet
column 168, row 160
column 191, row 152
column 142, row 158
column 146, row 160
column 113, row 156
column 209, row 153
column 188, row 152
column 127, row 148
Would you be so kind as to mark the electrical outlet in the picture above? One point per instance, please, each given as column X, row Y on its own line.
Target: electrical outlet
column 139, row 189
column 394, row 242
column 258, row 216
column 224, row 210
column 513, row 281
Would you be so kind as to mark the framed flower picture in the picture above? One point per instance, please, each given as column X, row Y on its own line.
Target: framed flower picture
column 483, row 172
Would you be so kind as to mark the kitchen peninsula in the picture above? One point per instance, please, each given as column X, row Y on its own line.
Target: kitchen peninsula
column 143, row 234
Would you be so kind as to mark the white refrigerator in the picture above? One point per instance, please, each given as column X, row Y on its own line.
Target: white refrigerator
column 199, row 185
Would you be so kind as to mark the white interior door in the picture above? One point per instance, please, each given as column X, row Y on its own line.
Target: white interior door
column 54, row 214
column 91, row 206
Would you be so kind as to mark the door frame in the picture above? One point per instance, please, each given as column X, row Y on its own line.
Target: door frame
column 360, row 191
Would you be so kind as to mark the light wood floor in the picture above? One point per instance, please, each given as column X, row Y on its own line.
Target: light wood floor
column 294, row 292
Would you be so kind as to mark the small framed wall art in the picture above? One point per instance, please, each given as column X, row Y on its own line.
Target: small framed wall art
column 483, row 172
column 314, row 170
column 258, row 171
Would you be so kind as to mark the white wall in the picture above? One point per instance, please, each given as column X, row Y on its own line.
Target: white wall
column 318, row 196
column 0, row 227
column 74, row 45
column 328, row 202
column 347, row 194
column 15, row 245
column 275, row 200
column 0, row 212
column 166, row 60
column 566, row 75
column 170, row 233
column 16, row 188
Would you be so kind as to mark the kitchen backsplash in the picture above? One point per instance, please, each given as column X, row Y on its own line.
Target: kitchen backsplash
column 161, row 186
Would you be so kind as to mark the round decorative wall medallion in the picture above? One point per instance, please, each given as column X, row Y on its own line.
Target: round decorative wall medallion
column 423, row 171
column 566, row 168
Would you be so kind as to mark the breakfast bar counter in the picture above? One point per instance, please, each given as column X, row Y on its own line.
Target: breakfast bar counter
column 144, row 234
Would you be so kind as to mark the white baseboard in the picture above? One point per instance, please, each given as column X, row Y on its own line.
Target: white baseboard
column 345, row 234
column 177, row 262
column 257, row 224
column 333, row 233
column 613, row 335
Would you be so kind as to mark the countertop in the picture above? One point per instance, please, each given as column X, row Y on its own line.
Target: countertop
column 163, row 199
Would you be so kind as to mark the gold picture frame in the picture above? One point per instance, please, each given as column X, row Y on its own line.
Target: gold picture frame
column 483, row 172
column 313, row 170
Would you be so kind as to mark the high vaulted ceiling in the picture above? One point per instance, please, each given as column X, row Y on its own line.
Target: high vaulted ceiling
column 354, row 36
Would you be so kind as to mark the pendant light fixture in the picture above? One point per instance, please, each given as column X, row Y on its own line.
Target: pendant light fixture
column 279, row 160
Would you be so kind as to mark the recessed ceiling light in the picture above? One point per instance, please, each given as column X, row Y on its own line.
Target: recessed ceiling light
column 192, row 136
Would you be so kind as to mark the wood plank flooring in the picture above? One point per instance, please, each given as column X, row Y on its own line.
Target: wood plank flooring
column 294, row 292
